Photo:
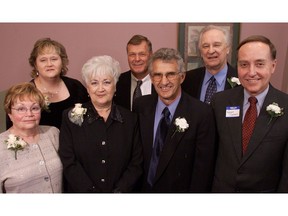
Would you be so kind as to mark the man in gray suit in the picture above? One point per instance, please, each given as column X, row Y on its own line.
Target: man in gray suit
column 260, row 164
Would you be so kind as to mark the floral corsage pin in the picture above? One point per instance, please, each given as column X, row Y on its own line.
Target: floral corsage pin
column 15, row 143
column 181, row 125
column 76, row 115
column 274, row 111
column 233, row 81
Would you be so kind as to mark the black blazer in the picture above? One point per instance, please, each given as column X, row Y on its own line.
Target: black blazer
column 194, row 80
column 264, row 167
column 123, row 90
column 187, row 161
column 101, row 156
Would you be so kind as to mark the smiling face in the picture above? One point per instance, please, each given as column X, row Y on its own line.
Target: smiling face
column 255, row 67
column 138, row 56
column 101, row 89
column 48, row 63
column 214, row 50
column 169, row 86
column 25, row 120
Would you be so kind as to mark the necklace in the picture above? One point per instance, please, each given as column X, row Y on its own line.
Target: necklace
column 49, row 93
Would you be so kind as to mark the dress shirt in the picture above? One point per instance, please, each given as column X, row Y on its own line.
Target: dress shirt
column 220, row 81
column 145, row 87
column 158, row 113
column 260, row 100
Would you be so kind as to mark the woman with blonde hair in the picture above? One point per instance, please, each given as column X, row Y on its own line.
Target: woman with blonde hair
column 29, row 161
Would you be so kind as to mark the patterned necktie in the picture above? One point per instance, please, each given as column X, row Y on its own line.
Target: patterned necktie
column 137, row 91
column 211, row 89
column 249, row 123
column 160, row 137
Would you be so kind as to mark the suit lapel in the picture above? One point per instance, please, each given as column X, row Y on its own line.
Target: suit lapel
column 147, row 126
column 235, row 124
column 231, row 72
column 172, row 139
column 262, row 126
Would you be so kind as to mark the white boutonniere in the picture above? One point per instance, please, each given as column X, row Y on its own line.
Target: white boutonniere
column 181, row 125
column 274, row 111
column 15, row 143
column 76, row 115
column 47, row 103
column 233, row 81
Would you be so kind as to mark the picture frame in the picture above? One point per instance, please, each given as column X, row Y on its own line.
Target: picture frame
column 188, row 42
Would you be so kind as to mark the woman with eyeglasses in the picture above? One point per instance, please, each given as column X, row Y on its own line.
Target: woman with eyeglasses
column 29, row 161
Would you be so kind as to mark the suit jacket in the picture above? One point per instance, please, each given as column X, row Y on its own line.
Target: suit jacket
column 264, row 167
column 187, row 160
column 194, row 79
column 101, row 157
column 123, row 90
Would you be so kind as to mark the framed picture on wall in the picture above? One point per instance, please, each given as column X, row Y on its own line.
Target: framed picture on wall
column 188, row 42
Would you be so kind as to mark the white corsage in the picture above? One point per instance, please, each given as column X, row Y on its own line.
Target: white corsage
column 181, row 125
column 76, row 115
column 15, row 143
column 47, row 103
column 233, row 81
column 274, row 111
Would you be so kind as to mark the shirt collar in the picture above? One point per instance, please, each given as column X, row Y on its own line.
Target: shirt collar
column 260, row 97
column 220, row 76
column 93, row 115
column 172, row 107
column 147, row 77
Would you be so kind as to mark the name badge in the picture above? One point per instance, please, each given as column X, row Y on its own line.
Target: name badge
column 232, row 112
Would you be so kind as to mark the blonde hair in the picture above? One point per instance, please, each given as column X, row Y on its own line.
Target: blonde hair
column 38, row 48
column 21, row 92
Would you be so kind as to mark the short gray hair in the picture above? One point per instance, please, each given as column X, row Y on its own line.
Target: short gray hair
column 101, row 65
column 167, row 55
column 225, row 31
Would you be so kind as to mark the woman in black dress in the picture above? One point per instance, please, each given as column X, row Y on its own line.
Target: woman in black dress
column 49, row 61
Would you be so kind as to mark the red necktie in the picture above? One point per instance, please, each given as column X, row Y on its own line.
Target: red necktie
column 249, row 123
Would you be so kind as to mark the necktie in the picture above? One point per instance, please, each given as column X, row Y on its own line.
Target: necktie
column 158, row 144
column 137, row 91
column 211, row 89
column 249, row 123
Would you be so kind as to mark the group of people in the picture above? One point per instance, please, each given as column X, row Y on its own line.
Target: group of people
column 155, row 128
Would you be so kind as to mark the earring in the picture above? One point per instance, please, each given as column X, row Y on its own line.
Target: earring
column 37, row 73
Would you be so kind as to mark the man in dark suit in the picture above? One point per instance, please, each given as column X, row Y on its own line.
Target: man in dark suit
column 184, row 159
column 256, row 162
column 139, row 49
column 214, row 46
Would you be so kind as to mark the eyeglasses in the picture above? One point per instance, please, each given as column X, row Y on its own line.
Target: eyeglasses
column 23, row 110
column 170, row 76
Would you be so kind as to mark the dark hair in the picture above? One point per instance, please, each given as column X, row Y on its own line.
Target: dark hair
column 262, row 39
column 138, row 39
column 38, row 48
